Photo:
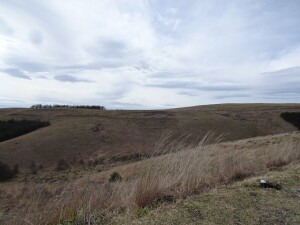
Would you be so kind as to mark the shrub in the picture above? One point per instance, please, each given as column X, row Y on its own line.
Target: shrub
column 40, row 106
column 115, row 177
column 62, row 165
column 6, row 172
column 81, row 162
column 16, row 169
column 41, row 167
column 33, row 167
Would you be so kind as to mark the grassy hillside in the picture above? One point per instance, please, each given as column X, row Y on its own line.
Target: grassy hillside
column 240, row 203
column 195, row 185
column 113, row 136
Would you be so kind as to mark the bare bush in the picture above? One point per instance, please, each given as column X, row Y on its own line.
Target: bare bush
column 6, row 172
column 62, row 165
column 33, row 168
column 115, row 176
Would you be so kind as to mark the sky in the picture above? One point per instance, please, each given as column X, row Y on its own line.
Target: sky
column 149, row 54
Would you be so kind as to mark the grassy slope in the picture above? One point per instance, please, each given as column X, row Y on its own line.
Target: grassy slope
column 240, row 203
column 83, row 134
column 260, row 144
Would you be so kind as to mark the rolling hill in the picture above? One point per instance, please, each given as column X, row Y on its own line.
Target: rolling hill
column 160, row 190
column 80, row 135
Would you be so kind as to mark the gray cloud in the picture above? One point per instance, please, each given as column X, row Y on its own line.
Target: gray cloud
column 42, row 77
column 106, row 53
column 126, row 105
column 44, row 14
column 5, row 28
column 113, row 95
column 109, row 49
column 5, row 99
column 27, row 64
column 187, row 93
column 71, row 79
column 142, row 66
column 16, row 73
column 292, row 71
column 36, row 37
column 172, row 74
column 230, row 96
column 97, row 65
column 285, row 88
column 282, row 82
column 52, row 100
column 194, row 85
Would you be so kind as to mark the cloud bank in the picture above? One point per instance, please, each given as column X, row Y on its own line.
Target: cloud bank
column 149, row 53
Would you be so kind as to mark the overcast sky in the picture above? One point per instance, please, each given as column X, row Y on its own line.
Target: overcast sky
column 142, row 54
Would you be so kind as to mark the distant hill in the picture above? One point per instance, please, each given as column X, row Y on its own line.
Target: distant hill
column 77, row 135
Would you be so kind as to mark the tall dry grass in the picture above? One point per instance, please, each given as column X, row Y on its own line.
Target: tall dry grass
column 173, row 172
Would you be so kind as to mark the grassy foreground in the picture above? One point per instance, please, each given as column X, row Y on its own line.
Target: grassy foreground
column 239, row 203
column 185, row 185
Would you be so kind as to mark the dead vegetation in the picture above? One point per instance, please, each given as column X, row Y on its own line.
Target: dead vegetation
column 169, row 177
column 122, row 135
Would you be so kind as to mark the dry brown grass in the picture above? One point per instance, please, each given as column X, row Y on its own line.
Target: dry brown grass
column 205, row 166
column 79, row 135
column 180, row 171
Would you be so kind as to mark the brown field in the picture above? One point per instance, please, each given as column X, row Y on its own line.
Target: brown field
column 181, row 175
column 119, row 135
